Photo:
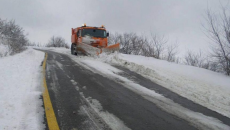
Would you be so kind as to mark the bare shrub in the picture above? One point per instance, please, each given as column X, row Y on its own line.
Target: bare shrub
column 198, row 60
column 130, row 43
column 156, row 46
column 57, row 42
column 171, row 52
column 34, row 44
column 114, row 38
column 12, row 36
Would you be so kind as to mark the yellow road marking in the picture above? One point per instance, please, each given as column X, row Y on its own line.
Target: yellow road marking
column 50, row 115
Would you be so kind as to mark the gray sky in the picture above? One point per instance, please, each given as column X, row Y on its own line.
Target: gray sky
column 179, row 20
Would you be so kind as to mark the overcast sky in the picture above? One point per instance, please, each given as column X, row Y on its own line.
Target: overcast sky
column 179, row 20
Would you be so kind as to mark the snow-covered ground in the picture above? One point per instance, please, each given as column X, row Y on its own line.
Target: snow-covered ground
column 20, row 91
column 20, row 86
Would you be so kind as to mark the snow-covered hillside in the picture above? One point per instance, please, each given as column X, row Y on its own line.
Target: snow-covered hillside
column 20, row 91
column 207, row 88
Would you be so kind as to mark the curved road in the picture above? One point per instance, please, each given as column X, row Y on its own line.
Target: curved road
column 85, row 100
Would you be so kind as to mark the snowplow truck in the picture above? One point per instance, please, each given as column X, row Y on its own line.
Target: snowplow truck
column 91, row 41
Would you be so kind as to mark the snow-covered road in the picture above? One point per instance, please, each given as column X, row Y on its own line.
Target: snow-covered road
column 170, row 100
column 205, row 87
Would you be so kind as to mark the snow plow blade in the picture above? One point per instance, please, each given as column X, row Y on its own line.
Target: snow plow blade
column 90, row 50
column 111, row 48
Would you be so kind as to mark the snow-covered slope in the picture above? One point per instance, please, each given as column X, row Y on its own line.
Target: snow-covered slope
column 20, row 91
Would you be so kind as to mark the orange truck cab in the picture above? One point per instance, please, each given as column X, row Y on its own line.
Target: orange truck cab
column 93, row 36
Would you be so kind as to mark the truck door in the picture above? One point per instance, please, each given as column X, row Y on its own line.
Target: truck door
column 79, row 39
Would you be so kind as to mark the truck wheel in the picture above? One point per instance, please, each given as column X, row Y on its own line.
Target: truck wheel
column 75, row 53
column 73, row 49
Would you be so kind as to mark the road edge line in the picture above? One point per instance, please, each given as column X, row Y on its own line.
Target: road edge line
column 49, row 112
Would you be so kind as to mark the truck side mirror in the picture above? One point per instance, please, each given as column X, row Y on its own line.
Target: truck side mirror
column 107, row 34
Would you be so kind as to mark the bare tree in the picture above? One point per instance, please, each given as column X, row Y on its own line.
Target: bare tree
column 57, row 42
column 218, row 30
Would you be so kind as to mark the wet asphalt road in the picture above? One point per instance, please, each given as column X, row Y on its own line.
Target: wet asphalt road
column 76, row 91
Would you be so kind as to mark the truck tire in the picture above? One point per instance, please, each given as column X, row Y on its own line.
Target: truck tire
column 73, row 49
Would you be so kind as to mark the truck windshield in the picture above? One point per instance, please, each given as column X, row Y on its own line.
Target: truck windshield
column 94, row 32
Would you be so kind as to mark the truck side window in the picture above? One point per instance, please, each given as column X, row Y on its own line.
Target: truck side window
column 77, row 33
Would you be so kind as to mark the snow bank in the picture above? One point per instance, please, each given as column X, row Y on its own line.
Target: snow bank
column 202, row 86
column 20, row 91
